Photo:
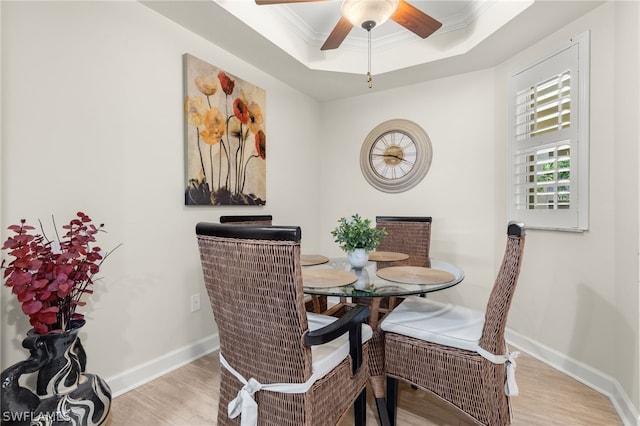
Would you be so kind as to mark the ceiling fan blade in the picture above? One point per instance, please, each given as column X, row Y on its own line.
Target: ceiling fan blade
column 415, row 20
column 338, row 34
column 261, row 2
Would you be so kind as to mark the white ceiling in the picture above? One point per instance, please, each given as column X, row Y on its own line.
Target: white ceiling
column 285, row 40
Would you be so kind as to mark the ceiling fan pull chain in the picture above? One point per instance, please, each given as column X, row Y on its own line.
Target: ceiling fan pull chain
column 369, row 79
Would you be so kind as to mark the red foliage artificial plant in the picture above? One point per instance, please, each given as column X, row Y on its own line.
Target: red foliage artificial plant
column 49, row 277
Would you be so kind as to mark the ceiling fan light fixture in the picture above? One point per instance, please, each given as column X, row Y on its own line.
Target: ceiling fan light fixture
column 359, row 12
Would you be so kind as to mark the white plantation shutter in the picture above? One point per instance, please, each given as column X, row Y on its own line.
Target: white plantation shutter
column 549, row 140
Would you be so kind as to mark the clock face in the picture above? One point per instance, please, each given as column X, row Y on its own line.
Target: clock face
column 395, row 156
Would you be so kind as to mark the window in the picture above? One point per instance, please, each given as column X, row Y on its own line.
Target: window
column 549, row 140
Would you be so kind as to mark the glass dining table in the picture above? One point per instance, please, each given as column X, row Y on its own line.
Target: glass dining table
column 381, row 286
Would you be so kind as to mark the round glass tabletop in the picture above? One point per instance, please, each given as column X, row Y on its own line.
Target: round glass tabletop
column 367, row 283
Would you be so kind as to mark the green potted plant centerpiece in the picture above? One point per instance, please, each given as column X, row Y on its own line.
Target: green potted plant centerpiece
column 49, row 278
column 357, row 238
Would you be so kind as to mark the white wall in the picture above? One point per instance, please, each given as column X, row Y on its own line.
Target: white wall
column 92, row 107
column 626, row 176
column 583, row 303
column 92, row 114
column 458, row 192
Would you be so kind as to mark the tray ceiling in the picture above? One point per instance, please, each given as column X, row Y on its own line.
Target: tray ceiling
column 285, row 40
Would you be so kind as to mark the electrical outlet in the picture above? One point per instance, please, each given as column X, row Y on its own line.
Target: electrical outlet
column 195, row 302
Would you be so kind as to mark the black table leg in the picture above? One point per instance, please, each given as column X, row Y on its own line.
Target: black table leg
column 383, row 415
column 360, row 409
column 392, row 400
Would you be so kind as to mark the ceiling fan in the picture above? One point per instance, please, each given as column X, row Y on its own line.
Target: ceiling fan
column 369, row 13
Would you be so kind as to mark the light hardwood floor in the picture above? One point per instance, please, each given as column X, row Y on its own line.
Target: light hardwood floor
column 188, row 397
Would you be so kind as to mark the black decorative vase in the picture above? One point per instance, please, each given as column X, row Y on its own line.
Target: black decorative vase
column 65, row 394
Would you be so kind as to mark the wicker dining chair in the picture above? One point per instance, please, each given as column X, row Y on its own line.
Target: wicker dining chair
column 457, row 353
column 310, row 302
column 406, row 234
column 266, row 219
column 318, row 363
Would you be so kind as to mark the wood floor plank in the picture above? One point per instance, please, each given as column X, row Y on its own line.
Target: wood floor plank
column 188, row 396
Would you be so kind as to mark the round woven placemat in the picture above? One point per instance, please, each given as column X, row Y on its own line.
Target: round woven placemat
column 312, row 259
column 387, row 256
column 414, row 275
column 323, row 278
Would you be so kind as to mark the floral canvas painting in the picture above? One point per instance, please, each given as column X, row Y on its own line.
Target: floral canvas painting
column 225, row 137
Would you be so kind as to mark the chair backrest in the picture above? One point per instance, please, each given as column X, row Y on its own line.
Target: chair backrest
column 503, row 289
column 254, row 282
column 247, row 220
column 407, row 234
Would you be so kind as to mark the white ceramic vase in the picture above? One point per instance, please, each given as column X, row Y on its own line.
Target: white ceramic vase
column 362, row 280
column 358, row 258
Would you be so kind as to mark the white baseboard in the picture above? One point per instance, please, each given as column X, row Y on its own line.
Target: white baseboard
column 144, row 373
column 580, row 371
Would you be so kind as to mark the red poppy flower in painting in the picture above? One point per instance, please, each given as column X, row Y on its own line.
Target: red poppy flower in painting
column 226, row 83
column 241, row 111
column 255, row 118
column 261, row 144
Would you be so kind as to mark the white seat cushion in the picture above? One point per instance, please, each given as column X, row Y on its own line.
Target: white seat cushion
column 441, row 323
column 326, row 357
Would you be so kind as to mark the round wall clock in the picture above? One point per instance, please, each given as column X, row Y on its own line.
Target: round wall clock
column 396, row 155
